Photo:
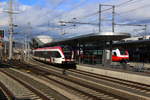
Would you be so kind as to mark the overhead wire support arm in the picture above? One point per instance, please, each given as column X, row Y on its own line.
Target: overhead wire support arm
column 78, row 22
column 130, row 25
column 137, row 25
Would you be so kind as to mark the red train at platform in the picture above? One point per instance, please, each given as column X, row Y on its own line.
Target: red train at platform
column 96, row 56
column 119, row 55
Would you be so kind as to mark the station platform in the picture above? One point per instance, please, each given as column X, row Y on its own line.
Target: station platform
column 137, row 64
column 116, row 73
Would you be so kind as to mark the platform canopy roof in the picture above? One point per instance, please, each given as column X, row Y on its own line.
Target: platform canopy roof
column 134, row 43
column 88, row 38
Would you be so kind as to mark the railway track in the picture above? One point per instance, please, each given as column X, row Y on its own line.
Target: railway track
column 38, row 90
column 136, row 90
column 73, row 85
column 144, row 87
column 78, row 87
column 87, row 85
column 12, row 90
column 5, row 94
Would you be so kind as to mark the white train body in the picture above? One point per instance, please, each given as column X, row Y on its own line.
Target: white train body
column 54, row 55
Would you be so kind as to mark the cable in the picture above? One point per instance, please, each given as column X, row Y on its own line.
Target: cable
column 106, row 9
column 119, row 5
column 55, row 7
column 126, row 2
column 132, row 10
column 60, row 3
column 78, row 5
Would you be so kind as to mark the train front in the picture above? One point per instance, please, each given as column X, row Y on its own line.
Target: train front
column 120, row 55
column 68, row 55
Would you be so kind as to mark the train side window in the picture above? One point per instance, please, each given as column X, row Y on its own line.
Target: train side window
column 114, row 53
column 40, row 53
column 46, row 54
column 37, row 53
column 49, row 54
column 52, row 54
column 55, row 54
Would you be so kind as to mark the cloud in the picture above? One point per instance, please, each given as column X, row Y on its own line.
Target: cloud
column 44, row 17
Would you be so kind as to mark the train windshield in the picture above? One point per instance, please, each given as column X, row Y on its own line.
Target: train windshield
column 67, row 52
column 123, row 52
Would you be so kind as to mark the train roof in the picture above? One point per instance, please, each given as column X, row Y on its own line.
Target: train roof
column 101, row 36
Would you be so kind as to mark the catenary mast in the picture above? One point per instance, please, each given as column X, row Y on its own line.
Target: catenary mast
column 10, row 12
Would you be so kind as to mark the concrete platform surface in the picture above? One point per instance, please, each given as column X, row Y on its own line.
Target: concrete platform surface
column 131, row 76
column 138, row 64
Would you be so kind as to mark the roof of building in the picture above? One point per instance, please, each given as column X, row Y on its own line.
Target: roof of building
column 134, row 43
column 43, row 39
column 88, row 38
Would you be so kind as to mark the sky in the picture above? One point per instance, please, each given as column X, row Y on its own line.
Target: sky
column 42, row 17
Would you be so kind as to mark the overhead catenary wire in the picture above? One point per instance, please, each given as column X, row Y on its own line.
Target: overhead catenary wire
column 59, row 15
column 127, row 3
column 119, row 5
column 121, row 14
column 74, row 7
column 56, row 6
column 97, row 13
column 135, row 9
column 130, row 3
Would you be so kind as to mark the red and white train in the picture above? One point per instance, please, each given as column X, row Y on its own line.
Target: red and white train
column 55, row 55
column 66, row 55
column 119, row 55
